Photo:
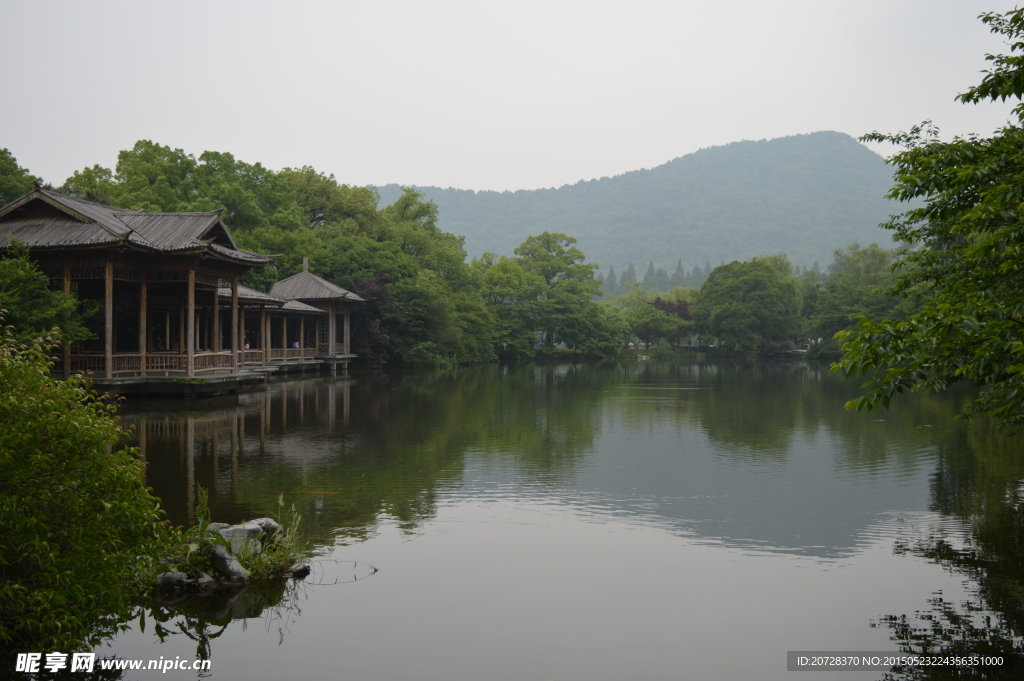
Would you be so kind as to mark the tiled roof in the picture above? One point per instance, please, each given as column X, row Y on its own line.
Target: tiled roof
column 84, row 223
column 55, row 232
column 170, row 231
column 308, row 286
column 247, row 294
column 296, row 306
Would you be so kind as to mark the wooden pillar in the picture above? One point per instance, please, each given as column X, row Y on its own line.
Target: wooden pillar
column 190, row 469
column 284, row 336
column 190, row 347
column 264, row 336
column 234, row 323
column 235, row 451
column 332, row 405
column 215, row 326
column 215, row 454
column 348, row 330
column 264, row 420
column 346, row 398
column 67, row 346
column 302, row 338
column 143, row 323
column 108, row 334
column 332, row 330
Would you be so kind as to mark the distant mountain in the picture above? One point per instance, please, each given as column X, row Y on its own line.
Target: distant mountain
column 805, row 195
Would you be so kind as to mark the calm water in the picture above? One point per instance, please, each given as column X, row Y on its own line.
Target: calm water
column 560, row 522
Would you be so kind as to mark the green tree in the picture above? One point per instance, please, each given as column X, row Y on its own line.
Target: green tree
column 627, row 279
column 510, row 291
column 154, row 177
column 568, row 285
column 649, row 278
column 78, row 526
column 748, row 304
column 662, row 282
column 646, row 323
column 14, row 180
column 335, row 209
column 678, row 277
column 610, row 286
column 968, row 255
column 31, row 307
column 854, row 287
column 606, row 333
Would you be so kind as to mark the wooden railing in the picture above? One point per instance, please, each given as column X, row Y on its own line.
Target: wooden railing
column 166, row 363
column 291, row 354
column 96, row 363
column 126, row 364
column 211, row 361
column 177, row 363
column 252, row 357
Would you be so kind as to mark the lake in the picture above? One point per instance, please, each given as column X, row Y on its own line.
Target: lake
column 558, row 522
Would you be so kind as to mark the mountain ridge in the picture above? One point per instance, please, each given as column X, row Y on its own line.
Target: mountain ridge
column 805, row 195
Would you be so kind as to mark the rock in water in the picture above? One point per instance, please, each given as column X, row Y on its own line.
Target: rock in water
column 244, row 537
column 269, row 525
column 226, row 564
column 297, row 571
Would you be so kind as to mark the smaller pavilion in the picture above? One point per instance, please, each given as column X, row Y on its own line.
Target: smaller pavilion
column 311, row 291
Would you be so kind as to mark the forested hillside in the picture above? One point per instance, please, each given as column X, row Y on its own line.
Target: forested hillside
column 801, row 195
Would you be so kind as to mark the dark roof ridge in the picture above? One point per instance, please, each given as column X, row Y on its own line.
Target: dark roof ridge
column 307, row 286
column 58, row 196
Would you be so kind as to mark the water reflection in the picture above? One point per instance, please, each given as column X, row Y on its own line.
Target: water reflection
column 744, row 482
column 203, row 618
column 754, row 454
column 979, row 481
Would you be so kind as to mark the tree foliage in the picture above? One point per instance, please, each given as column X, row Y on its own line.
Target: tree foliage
column 968, row 256
column 31, row 307
column 855, row 285
column 748, row 304
column 14, row 180
column 545, row 296
column 77, row 526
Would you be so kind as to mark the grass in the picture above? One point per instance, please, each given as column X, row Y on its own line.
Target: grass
column 278, row 551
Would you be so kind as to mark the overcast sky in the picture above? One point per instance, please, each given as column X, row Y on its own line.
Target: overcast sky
column 476, row 95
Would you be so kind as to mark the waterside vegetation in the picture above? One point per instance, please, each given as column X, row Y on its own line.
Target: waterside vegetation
column 426, row 305
column 83, row 538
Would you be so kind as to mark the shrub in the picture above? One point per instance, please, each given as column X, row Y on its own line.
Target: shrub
column 77, row 526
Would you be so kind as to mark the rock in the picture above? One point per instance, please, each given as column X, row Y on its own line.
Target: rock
column 167, row 581
column 226, row 564
column 244, row 537
column 297, row 571
column 205, row 582
column 214, row 527
column 269, row 525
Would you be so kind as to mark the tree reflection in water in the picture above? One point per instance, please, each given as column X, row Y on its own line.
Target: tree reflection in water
column 203, row 618
column 980, row 481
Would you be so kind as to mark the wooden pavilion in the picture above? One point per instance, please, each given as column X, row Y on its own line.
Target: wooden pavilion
column 168, row 287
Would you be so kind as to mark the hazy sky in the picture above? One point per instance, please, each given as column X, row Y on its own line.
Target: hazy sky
column 476, row 95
